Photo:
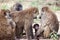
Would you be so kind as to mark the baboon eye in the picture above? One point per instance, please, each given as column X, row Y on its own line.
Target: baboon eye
column 35, row 18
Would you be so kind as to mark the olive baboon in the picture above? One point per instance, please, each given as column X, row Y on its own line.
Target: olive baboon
column 17, row 7
column 24, row 20
column 49, row 22
column 6, row 31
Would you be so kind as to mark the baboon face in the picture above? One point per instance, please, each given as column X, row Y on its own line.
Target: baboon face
column 36, row 27
column 8, row 15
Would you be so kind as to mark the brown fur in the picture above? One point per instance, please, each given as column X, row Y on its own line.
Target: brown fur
column 6, row 32
column 24, row 20
column 50, row 22
column 46, row 32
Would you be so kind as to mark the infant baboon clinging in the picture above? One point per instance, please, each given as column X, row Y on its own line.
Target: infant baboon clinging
column 24, row 20
column 36, row 27
column 6, row 31
column 49, row 22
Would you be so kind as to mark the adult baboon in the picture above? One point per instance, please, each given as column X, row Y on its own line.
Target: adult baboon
column 49, row 22
column 24, row 20
column 6, row 31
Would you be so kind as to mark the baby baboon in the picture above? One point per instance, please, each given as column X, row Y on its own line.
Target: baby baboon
column 6, row 31
column 36, row 27
column 49, row 22
column 24, row 20
column 16, row 7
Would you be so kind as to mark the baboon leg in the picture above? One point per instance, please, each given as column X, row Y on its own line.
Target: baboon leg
column 31, row 32
column 46, row 32
column 39, row 31
column 28, row 29
column 19, row 31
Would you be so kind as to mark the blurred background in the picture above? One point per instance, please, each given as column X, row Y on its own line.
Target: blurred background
column 54, row 4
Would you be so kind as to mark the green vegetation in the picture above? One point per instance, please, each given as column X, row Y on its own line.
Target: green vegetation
column 34, row 3
column 54, row 36
column 55, row 8
column 4, row 6
column 21, row 0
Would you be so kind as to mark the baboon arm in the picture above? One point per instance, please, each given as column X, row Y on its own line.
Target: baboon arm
column 39, row 31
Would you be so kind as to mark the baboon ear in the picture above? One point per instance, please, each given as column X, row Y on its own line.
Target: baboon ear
column 44, row 9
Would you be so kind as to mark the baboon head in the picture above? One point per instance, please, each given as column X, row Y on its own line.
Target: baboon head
column 17, row 7
column 7, row 15
column 35, row 11
column 44, row 11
